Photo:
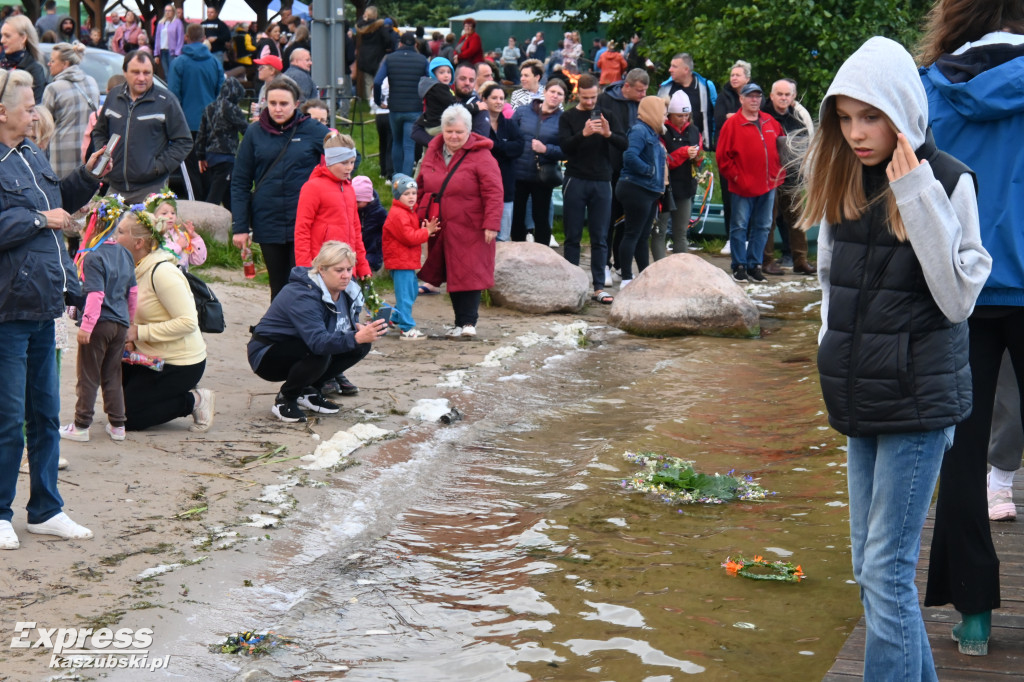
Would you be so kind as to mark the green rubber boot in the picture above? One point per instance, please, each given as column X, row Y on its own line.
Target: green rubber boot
column 972, row 633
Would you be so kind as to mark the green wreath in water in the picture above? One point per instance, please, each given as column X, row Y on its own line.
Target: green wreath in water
column 760, row 568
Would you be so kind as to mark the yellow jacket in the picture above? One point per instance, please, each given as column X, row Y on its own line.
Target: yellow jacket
column 166, row 312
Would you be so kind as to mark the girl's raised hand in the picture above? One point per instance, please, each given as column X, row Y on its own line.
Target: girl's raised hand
column 903, row 159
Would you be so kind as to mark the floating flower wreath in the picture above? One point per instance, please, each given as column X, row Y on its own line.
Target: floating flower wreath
column 677, row 482
column 760, row 568
column 250, row 644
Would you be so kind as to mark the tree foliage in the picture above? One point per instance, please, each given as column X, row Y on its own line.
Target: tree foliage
column 806, row 40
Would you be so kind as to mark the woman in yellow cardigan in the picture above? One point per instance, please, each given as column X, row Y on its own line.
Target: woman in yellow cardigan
column 166, row 327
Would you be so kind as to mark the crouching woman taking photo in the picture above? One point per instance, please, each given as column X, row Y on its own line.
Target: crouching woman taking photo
column 310, row 333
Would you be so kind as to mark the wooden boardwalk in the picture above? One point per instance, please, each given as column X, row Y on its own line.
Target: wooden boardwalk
column 1005, row 660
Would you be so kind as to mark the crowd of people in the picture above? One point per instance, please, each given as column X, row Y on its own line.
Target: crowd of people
column 921, row 296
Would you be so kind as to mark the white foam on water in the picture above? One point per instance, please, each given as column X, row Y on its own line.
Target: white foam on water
column 330, row 452
column 429, row 409
column 494, row 358
column 453, row 379
column 514, row 377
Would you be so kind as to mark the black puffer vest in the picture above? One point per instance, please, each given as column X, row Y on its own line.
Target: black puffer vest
column 890, row 361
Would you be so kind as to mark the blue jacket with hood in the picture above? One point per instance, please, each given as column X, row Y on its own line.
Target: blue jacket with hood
column 303, row 309
column 195, row 79
column 976, row 107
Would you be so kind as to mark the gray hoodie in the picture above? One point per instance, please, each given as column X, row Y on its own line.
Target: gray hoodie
column 943, row 230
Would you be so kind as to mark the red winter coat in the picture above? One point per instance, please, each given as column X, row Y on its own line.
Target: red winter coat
column 472, row 203
column 469, row 49
column 748, row 157
column 403, row 238
column 327, row 210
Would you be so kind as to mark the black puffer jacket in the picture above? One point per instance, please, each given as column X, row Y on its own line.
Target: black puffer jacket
column 890, row 361
column 223, row 121
column 24, row 61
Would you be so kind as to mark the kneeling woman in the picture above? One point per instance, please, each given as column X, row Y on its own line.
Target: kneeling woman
column 310, row 334
column 167, row 327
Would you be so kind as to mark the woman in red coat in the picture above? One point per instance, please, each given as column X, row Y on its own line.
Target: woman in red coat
column 327, row 209
column 469, row 49
column 462, row 253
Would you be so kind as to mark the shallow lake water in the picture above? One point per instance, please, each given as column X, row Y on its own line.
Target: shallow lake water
column 504, row 548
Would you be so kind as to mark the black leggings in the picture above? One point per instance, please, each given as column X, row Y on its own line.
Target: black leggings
column 280, row 259
column 963, row 568
column 541, row 195
column 152, row 398
column 293, row 363
column 641, row 207
column 466, row 305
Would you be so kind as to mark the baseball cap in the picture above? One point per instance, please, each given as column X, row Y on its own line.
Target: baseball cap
column 751, row 88
column 270, row 60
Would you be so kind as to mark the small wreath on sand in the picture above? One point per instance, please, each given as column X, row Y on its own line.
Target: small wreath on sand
column 675, row 481
column 760, row 568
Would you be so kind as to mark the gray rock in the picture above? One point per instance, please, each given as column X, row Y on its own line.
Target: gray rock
column 534, row 278
column 212, row 219
column 684, row 294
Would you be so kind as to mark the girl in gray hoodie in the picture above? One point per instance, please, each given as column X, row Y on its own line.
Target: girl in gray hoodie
column 901, row 264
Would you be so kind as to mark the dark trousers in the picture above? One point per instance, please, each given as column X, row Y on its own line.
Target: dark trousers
column 192, row 168
column 293, row 363
column 466, row 305
column 541, row 195
column 591, row 199
column 153, row 398
column 786, row 214
column 641, row 207
column 99, row 366
column 1007, row 441
column 384, row 141
column 723, row 184
column 218, row 184
column 279, row 259
column 615, row 225
column 963, row 568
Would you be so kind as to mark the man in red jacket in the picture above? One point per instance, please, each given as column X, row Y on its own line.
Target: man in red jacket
column 748, row 157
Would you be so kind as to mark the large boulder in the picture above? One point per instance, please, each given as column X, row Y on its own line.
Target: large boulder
column 212, row 219
column 684, row 294
column 533, row 278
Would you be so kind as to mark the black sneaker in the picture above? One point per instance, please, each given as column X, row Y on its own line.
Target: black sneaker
column 739, row 273
column 317, row 403
column 287, row 410
column 756, row 275
column 346, row 386
column 331, row 386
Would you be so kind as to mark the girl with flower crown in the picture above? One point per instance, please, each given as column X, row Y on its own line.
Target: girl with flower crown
column 181, row 238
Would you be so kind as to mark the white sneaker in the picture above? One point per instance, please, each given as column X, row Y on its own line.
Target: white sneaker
column 61, row 526
column 608, row 276
column 726, row 250
column 8, row 538
column 552, row 243
column 469, row 330
column 62, row 464
column 72, row 432
column 413, row 334
column 202, row 413
column 453, row 332
column 623, row 283
column 529, row 237
column 115, row 432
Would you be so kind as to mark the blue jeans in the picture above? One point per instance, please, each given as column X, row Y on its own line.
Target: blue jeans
column 505, row 233
column 407, row 288
column 751, row 222
column 592, row 199
column 30, row 394
column 403, row 147
column 891, row 479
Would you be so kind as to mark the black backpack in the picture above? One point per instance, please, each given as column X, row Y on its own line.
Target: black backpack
column 208, row 306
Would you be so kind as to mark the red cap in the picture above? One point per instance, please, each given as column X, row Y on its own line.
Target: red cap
column 271, row 60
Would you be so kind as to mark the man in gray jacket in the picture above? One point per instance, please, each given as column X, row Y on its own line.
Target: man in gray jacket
column 301, row 64
column 154, row 133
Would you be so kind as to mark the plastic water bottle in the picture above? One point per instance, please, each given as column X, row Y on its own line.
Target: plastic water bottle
column 248, row 266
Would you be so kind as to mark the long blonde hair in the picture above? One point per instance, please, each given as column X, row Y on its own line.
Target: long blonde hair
column 832, row 178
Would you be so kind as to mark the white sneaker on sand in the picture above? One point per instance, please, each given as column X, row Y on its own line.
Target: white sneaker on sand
column 553, row 243
column 413, row 334
column 469, row 330
column 62, row 464
column 202, row 413
column 72, row 432
column 453, row 332
column 8, row 538
column 60, row 526
column 115, row 432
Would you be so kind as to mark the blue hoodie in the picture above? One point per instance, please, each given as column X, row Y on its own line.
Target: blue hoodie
column 303, row 309
column 195, row 79
column 976, row 110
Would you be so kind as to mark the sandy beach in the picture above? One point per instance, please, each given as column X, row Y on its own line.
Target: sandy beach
column 178, row 517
